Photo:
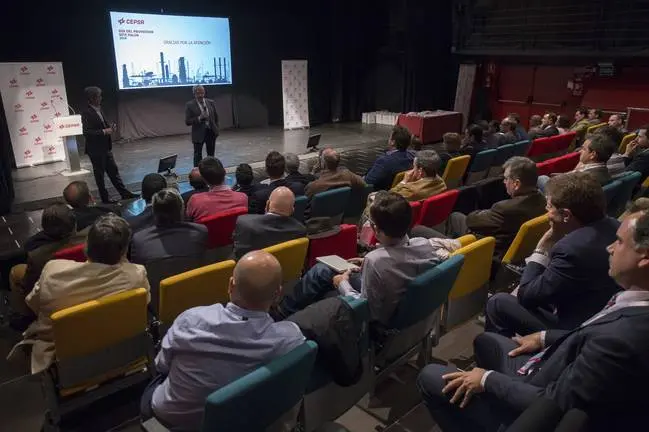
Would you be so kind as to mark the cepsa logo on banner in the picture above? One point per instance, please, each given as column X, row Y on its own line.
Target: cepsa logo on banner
column 18, row 108
column 28, row 154
column 51, row 150
column 13, row 82
column 44, row 106
column 51, row 70
column 130, row 21
column 38, row 141
column 23, row 131
column 24, row 70
column 29, row 95
column 40, row 82
column 34, row 118
column 47, row 128
column 54, row 92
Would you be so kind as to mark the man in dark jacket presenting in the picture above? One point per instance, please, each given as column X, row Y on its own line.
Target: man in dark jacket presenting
column 201, row 115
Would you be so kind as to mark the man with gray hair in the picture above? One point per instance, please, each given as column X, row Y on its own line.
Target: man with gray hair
column 170, row 236
column 423, row 180
column 201, row 115
column 332, row 175
column 293, row 174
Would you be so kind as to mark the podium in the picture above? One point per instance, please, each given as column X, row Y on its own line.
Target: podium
column 68, row 128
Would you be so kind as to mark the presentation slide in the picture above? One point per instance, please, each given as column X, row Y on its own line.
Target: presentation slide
column 154, row 51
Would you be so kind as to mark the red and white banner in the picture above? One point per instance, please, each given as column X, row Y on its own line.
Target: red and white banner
column 296, row 94
column 32, row 95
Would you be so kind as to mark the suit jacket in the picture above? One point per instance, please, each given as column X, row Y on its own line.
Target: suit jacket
column 581, row 127
column 254, row 232
column 421, row 189
column 601, row 173
column 386, row 167
column 300, row 178
column 521, row 133
column 64, row 284
column 184, row 239
column 597, row 368
column 342, row 177
column 506, row 138
column 142, row 220
column 193, row 111
column 261, row 192
column 86, row 216
column 576, row 280
column 93, row 131
column 638, row 162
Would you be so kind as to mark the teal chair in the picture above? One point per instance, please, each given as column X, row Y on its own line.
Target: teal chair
column 357, row 202
column 624, row 193
column 610, row 190
column 301, row 203
column 503, row 153
column 480, row 166
column 331, row 203
column 521, row 148
column 324, row 400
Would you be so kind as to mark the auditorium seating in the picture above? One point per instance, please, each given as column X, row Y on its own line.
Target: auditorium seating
column 436, row 209
column 625, row 141
column 544, row 148
column 416, row 212
column 357, row 202
column 292, row 256
column 342, row 244
column 159, row 270
column 561, row 164
column 593, row 129
column 521, row 148
column 503, row 153
column 397, row 178
column 455, row 170
column 331, row 203
column 610, row 190
column 221, row 226
column 74, row 253
column 526, row 239
column 624, row 193
column 101, row 347
column 301, row 203
column 480, row 166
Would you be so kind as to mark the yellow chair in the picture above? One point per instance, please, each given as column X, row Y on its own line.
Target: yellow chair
column 526, row 239
column 455, row 170
column 469, row 293
column 645, row 183
column 292, row 256
column 625, row 141
column 199, row 287
column 102, row 347
column 398, row 178
column 592, row 129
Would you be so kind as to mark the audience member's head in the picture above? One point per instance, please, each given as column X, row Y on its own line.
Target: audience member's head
column 275, row 165
column 152, row 183
column 616, row 121
column 77, row 194
column 244, row 175
column 494, row 126
column 93, row 95
column 594, row 114
column 639, row 204
column 281, row 202
column 574, row 199
column 549, row 118
column 563, row 122
column 452, row 141
column 520, row 175
column 581, row 114
column 329, row 160
column 629, row 254
column 515, row 117
column 108, row 240
column 596, row 148
column 474, row 133
column 292, row 163
column 58, row 221
column 416, row 143
column 484, row 124
column 427, row 163
column 400, row 138
column 212, row 171
column 535, row 121
column 614, row 134
column 256, row 281
column 641, row 140
column 508, row 126
column 195, row 179
column 390, row 217
column 168, row 207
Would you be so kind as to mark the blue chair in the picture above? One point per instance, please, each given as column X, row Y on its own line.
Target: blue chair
column 357, row 202
column 331, row 203
column 521, row 148
column 301, row 203
column 480, row 166
column 624, row 193
column 502, row 154
column 324, row 400
column 610, row 190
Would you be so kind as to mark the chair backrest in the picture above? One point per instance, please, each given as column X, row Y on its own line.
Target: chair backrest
column 592, row 129
column 625, row 141
column 220, row 226
column 292, row 256
column 342, row 244
column 563, row 142
column 358, row 201
column 503, row 153
column 483, row 160
column 541, row 147
column 100, row 339
column 74, row 253
column 559, row 164
column 437, row 208
column 331, row 203
column 526, row 239
column 257, row 400
column 610, row 190
column 161, row 269
column 624, row 193
column 397, row 178
column 199, row 287
column 455, row 170
column 301, row 203
column 521, row 148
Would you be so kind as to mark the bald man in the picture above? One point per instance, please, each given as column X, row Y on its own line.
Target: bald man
column 208, row 347
column 255, row 231
column 332, row 175
column 197, row 183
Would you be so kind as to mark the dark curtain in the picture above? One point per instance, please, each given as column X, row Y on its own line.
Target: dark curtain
column 6, row 164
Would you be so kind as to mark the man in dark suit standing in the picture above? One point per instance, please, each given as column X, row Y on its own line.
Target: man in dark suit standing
column 255, row 231
column 201, row 115
column 99, row 146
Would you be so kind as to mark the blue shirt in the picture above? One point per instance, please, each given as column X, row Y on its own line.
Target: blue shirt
column 208, row 347
column 386, row 167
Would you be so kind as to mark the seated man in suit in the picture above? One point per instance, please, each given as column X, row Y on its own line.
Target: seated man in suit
column 219, row 198
column 617, row 121
column 596, row 367
column 293, row 174
column 423, row 180
column 548, row 125
column 275, row 167
column 508, row 132
column 151, row 184
column 244, row 177
column 385, row 272
column 636, row 156
column 197, row 183
column 593, row 158
column 332, row 175
column 77, row 195
column 565, row 280
column 595, row 116
column 504, row 218
column 276, row 226
column 59, row 232
column 65, row 283
column 208, row 347
column 382, row 173
column 535, row 126
column 519, row 130
column 169, row 236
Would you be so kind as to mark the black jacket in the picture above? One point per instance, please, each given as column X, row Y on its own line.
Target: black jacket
column 300, row 178
column 638, row 162
column 193, row 112
column 261, row 192
column 184, row 239
column 253, row 232
column 97, row 143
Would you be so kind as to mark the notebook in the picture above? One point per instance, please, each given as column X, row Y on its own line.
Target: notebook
column 337, row 263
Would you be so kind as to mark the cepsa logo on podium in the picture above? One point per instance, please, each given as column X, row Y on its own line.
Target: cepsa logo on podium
column 130, row 21
column 69, row 125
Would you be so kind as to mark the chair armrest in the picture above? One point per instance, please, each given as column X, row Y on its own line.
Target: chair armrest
column 153, row 425
column 466, row 239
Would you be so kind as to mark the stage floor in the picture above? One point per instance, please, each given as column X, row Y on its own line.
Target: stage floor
column 36, row 185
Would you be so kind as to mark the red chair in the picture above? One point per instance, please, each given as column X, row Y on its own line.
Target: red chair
column 74, row 253
column 342, row 244
column 437, row 208
column 561, row 164
column 416, row 211
column 220, row 226
column 541, row 147
column 563, row 141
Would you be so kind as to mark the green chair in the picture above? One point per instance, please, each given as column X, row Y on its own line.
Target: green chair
column 357, row 202
column 480, row 166
column 331, row 203
column 625, row 191
column 300, row 206
column 611, row 190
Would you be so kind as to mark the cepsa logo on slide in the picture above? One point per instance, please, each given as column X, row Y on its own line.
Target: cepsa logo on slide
column 130, row 21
